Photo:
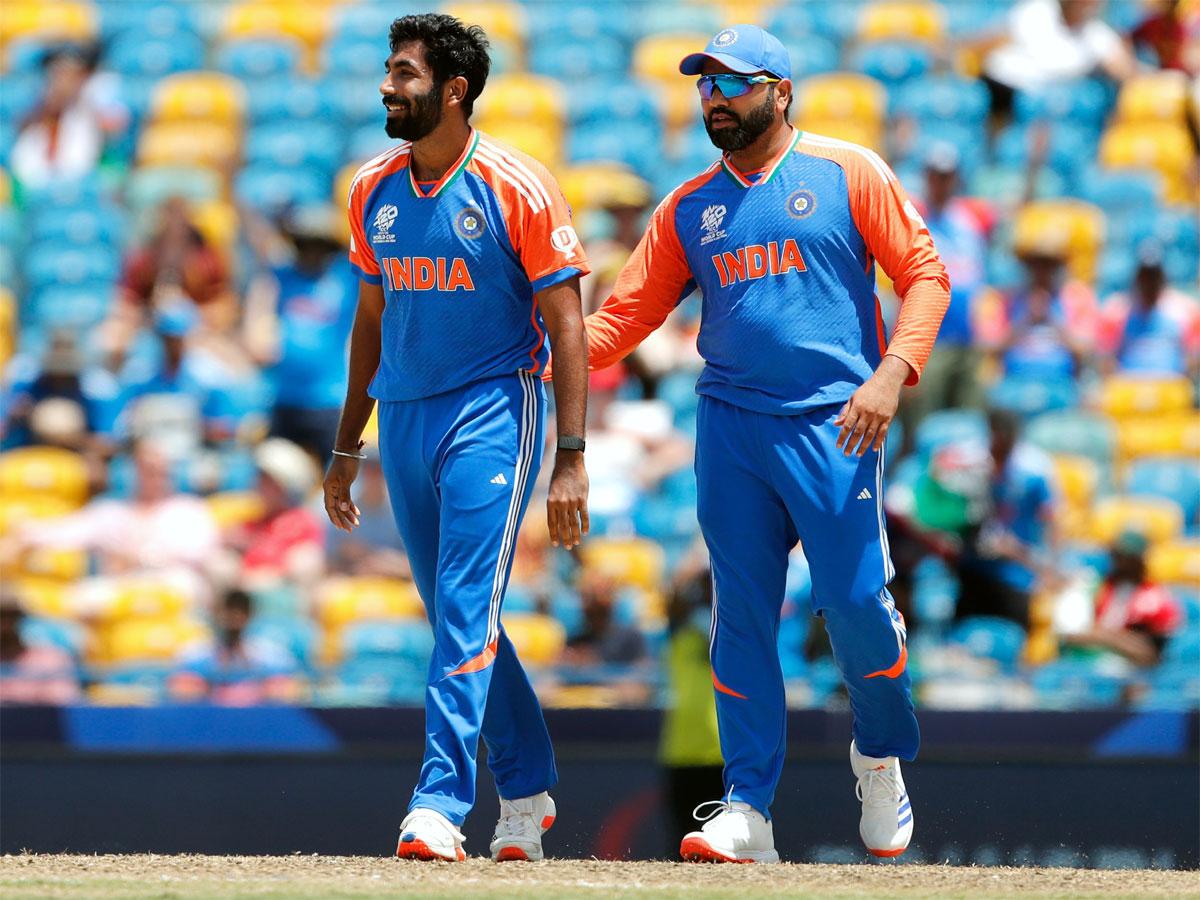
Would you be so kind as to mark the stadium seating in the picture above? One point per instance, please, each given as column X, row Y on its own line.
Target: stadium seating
column 44, row 474
column 907, row 20
column 1176, row 562
column 1158, row 518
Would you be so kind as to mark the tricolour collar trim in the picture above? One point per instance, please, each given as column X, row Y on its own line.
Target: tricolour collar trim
column 745, row 182
column 451, row 173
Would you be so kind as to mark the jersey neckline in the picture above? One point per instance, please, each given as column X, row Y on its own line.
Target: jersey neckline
column 768, row 173
column 450, row 174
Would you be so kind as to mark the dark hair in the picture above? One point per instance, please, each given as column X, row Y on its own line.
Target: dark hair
column 451, row 49
column 237, row 599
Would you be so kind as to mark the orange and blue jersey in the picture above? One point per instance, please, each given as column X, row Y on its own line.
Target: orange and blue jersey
column 460, row 262
column 785, row 260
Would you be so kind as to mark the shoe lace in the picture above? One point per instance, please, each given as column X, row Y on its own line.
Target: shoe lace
column 514, row 821
column 719, row 806
column 878, row 787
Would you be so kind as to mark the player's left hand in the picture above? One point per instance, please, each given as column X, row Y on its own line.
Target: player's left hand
column 867, row 415
column 566, row 507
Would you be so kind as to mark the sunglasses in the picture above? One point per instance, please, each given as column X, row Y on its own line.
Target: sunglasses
column 731, row 86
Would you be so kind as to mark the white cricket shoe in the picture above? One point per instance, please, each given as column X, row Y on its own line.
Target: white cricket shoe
column 427, row 834
column 886, row 825
column 521, row 826
column 735, row 832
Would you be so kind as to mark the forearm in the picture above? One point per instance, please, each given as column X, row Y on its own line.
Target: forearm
column 570, row 378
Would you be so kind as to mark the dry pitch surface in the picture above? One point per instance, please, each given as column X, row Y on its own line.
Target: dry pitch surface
column 106, row 877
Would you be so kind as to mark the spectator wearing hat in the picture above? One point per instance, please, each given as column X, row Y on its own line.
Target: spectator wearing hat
column 285, row 545
column 1153, row 328
column 1134, row 616
column 299, row 313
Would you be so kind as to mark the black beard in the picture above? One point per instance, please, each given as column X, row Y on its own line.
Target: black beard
column 743, row 132
column 424, row 114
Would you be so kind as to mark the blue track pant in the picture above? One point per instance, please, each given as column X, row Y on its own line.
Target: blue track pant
column 460, row 468
column 764, row 482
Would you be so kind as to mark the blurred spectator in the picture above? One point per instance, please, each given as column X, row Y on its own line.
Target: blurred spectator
column 603, row 640
column 61, row 374
column 32, row 673
column 1154, row 328
column 298, row 319
column 235, row 670
column 285, row 545
column 633, row 448
column 951, row 377
column 1044, row 329
column 374, row 547
column 156, row 530
column 1171, row 32
column 999, row 566
column 1134, row 617
column 63, row 138
column 689, row 749
column 176, row 266
column 1049, row 42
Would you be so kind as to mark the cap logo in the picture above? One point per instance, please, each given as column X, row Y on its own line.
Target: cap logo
column 725, row 38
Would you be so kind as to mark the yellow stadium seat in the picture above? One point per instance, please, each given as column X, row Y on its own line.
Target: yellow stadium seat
column 218, row 222
column 308, row 23
column 8, row 326
column 857, row 131
column 16, row 510
column 1080, row 224
column 841, row 95
column 634, row 561
column 602, row 184
column 149, row 640
column 525, row 98
column 539, row 639
column 48, row 473
column 232, row 508
column 504, row 22
column 1176, row 562
column 49, row 598
column 1164, row 147
column 1123, row 396
column 1077, row 478
column 896, row 20
column 753, row 12
column 1157, row 518
column 543, row 142
column 189, row 96
column 43, row 20
column 679, row 102
column 343, row 600
column 1154, row 97
column 1173, row 435
column 64, row 564
column 202, row 144
column 142, row 597
column 657, row 57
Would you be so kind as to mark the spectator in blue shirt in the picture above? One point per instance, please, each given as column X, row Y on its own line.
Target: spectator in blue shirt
column 298, row 319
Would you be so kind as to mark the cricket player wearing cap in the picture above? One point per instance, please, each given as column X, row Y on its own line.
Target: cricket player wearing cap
column 781, row 236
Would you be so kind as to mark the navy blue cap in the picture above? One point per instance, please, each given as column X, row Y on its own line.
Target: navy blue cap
column 744, row 49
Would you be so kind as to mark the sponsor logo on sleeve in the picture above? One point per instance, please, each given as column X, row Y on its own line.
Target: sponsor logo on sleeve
column 564, row 240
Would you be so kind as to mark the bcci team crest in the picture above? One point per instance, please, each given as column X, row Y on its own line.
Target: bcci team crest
column 470, row 223
column 725, row 38
column 801, row 204
column 710, row 223
column 383, row 225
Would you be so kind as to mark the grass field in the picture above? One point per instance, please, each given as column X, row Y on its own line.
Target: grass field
column 107, row 877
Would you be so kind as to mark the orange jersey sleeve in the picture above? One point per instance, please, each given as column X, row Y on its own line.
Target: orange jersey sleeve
column 651, row 284
column 895, row 235
column 362, row 254
column 537, row 214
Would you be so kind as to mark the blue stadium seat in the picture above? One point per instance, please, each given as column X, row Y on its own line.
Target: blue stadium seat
column 666, row 18
column 573, row 60
column 1075, row 432
column 21, row 91
column 269, row 188
column 1075, row 684
column 286, row 98
column 407, row 642
column 296, row 634
column 935, row 594
column 317, row 145
column 1083, row 102
column 892, row 62
column 78, row 226
column 66, row 635
column 1175, row 479
column 813, row 56
column 964, row 136
column 78, row 306
column 156, row 20
column 46, row 265
column 1116, row 191
column 678, row 389
column 950, row 426
column 948, row 97
column 147, row 187
column 991, row 638
column 1033, row 396
column 368, row 141
column 258, row 58
column 357, row 100
column 635, row 143
column 351, row 54
column 1069, row 143
column 606, row 103
column 369, row 21
column 24, row 56
column 792, row 23
column 135, row 54
column 576, row 21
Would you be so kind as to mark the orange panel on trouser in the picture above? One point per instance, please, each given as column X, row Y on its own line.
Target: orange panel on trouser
column 476, row 663
column 724, row 690
column 896, row 670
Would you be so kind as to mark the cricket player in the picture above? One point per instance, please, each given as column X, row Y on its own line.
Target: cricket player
column 467, row 260
column 800, row 383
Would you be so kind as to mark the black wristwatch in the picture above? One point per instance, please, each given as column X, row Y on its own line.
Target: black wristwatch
column 572, row 443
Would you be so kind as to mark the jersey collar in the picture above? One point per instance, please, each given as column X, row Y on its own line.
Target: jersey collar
column 451, row 173
column 745, row 182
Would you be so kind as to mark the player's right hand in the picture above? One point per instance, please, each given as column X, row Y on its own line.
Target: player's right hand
column 338, row 506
